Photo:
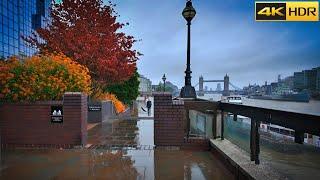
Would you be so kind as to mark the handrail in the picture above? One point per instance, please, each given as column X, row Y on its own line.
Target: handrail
column 308, row 123
column 300, row 122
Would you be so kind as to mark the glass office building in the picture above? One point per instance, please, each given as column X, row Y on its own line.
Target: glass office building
column 20, row 18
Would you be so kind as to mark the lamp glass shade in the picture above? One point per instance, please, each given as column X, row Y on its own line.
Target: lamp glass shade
column 188, row 12
column 164, row 77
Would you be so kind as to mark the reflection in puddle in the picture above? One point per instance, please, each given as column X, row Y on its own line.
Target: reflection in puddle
column 132, row 164
column 104, row 163
column 66, row 164
column 119, row 132
column 188, row 165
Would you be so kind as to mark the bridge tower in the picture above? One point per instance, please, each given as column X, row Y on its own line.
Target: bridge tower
column 226, row 91
column 201, row 92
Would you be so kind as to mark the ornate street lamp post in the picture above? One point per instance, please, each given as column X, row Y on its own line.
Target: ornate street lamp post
column 164, row 82
column 188, row 91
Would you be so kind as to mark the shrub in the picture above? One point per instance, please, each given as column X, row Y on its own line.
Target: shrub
column 42, row 78
column 120, row 107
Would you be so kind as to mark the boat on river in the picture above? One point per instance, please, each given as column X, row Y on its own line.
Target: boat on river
column 297, row 97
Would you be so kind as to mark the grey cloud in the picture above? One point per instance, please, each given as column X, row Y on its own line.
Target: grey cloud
column 250, row 52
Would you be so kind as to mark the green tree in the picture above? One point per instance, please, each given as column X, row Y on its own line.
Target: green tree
column 159, row 88
column 126, row 91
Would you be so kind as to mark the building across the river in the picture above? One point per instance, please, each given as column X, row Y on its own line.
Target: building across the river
column 307, row 79
column 318, row 79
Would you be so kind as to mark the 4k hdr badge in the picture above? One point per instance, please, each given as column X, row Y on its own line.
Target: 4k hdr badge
column 287, row 11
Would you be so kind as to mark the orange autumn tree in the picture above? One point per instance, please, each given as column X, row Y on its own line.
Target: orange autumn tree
column 42, row 78
column 87, row 32
column 101, row 96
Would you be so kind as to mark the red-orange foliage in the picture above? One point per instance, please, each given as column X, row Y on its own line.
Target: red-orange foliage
column 87, row 32
column 120, row 107
column 101, row 96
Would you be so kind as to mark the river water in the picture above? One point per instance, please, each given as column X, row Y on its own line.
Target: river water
column 313, row 107
column 295, row 161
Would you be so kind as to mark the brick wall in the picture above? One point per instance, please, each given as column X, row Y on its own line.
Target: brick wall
column 29, row 124
column 169, row 120
column 170, row 124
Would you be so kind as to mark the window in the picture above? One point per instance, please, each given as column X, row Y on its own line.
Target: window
column 5, row 39
column 5, row 21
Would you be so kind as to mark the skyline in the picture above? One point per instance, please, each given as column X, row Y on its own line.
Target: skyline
column 221, row 42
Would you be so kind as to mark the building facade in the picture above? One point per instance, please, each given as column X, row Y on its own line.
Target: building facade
column 318, row 79
column 20, row 18
column 298, row 81
column 310, row 79
column 219, row 87
column 307, row 79
column 145, row 84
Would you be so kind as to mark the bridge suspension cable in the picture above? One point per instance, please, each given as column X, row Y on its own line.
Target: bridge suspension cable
column 235, row 87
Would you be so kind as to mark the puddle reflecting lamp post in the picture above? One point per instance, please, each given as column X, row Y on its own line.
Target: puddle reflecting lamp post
column 164, row 82
column 188, row 91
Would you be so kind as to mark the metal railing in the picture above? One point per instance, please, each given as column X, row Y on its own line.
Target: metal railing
column 301, row 123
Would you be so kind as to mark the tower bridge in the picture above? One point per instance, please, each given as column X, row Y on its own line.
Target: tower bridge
column 226, row 85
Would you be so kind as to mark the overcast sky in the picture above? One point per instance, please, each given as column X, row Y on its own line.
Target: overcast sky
column 224, row 39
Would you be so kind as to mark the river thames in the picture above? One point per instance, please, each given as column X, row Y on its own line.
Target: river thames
column 313, row 107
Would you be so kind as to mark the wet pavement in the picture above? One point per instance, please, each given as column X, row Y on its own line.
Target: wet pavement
column 122, row 149
column 117, row 133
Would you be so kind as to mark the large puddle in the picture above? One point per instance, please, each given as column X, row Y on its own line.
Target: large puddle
column 135, row 159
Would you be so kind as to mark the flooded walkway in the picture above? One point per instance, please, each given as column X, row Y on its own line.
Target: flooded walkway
column 122, row 149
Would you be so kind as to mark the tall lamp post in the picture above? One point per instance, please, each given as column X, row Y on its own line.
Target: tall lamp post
column 164, row 82
column 188, row 91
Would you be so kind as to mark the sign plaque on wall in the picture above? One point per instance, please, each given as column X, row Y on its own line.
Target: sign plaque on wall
column 94, row 108
column 56, row 114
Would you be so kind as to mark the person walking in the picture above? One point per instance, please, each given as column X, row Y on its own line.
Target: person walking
column 146, row 99
column 149, row 104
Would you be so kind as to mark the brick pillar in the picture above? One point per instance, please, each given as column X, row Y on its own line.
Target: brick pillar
column 169, row 119
column 75, row 110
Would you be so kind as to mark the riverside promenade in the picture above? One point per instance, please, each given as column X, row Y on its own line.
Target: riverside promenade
column 116, row 149
column 164, row 145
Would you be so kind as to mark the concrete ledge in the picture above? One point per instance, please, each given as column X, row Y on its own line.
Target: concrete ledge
column 239, row 162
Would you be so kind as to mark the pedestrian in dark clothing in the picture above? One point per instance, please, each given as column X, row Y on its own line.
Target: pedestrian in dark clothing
column 149, row 104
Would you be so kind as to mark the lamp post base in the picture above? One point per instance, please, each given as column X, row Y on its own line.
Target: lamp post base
column 188, row 92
